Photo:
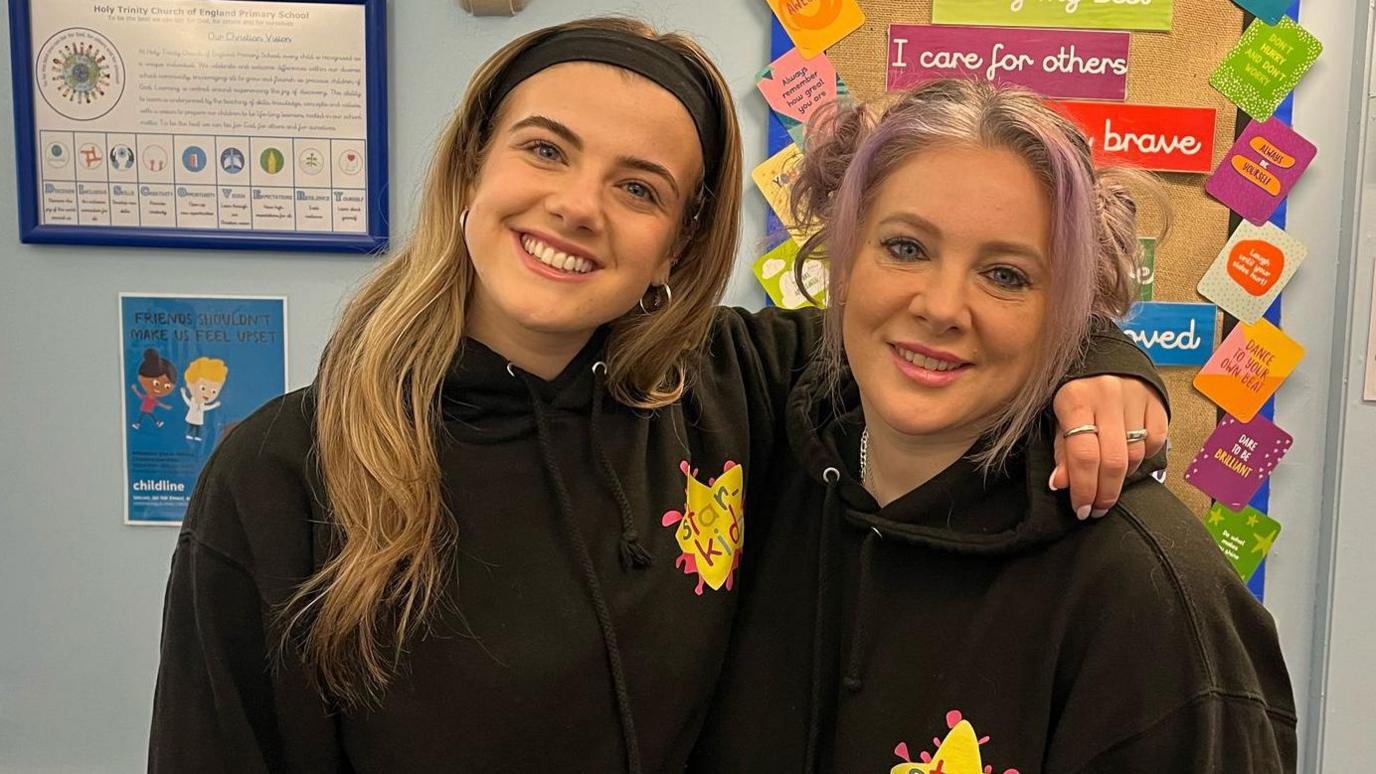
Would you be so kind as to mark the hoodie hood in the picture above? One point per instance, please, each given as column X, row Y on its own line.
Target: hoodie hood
column 962, row 510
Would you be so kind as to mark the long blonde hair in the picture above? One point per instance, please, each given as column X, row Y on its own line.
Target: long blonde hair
column 376, row 415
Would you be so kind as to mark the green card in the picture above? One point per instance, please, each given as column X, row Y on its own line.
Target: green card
column 1265, row 65
column 1078, row 14
column 1146, row 274
column 774, row 270
column 1245, row 536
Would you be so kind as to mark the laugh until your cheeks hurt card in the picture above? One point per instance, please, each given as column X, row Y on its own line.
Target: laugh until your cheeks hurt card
column 1252, row 269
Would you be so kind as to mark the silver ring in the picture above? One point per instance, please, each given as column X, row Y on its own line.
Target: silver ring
column 1137, row 436
column 1081, row 430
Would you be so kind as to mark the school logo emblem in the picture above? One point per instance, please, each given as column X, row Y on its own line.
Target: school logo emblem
column 193, row 158
column 92, row 156
column 958, row 753
column 232, row 160
column 711, row 528
column 272, row 161
column 121, row 158
column 80, row 74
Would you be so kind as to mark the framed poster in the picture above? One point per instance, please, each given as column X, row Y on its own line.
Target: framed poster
column 201, row 123
column 191, row 368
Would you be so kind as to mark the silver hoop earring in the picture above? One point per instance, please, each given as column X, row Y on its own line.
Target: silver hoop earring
column 668, row 297
column 463, row 220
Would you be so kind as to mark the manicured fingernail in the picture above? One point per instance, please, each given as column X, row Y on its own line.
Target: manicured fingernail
column 1082, row 512
column 1098, row 514
column 1051, row 484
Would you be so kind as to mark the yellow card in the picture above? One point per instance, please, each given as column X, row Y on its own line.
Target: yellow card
column 1248, row 367
column 816, row 25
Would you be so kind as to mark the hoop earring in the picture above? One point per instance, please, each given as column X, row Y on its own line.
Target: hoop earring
column 463, row 222
column 668, row 297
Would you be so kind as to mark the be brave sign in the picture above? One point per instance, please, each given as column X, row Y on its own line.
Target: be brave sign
column 1077, row 14
column 1173, row 334
column 1057, row 63
column 1160, row 138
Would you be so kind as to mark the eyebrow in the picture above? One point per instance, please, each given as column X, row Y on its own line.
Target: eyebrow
column 998, row 246
column 568, row 135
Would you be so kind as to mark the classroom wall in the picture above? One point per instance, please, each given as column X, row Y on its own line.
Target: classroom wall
column 81, row 594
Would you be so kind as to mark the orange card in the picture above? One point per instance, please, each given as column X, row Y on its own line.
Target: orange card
column 816, row 25
column 1248, row 368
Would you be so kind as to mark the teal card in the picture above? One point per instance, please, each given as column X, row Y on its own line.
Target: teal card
column 1265, row 65
column 1146, row 272
column 1245, row 536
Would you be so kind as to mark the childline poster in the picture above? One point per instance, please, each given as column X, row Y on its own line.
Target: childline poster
column 192, row 367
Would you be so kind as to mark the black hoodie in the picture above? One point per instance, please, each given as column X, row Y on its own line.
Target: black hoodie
column 973, row 625
column 554, row 649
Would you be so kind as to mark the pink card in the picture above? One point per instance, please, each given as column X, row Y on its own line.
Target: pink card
column 795, row 87
column 1237, row 458
column 1069, row 64
column 1258, row 172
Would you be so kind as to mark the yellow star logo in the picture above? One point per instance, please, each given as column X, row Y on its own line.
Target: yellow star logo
column 1263, row 545
column 1215, row 515
column 1252, row 520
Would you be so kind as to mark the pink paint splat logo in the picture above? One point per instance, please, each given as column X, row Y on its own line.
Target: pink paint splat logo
column 958, row 753
column 711, row 528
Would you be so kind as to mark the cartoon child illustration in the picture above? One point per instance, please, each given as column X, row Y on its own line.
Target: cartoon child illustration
column 157, row 377
column 205, row 377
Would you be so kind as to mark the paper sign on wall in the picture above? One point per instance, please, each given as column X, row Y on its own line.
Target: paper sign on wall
column 1057, row 63
column 1265, row 65
column 1079, row 14
column 1252, row 269
column 1268, row 11
column 1258, row 172
column 1173, row 334
column 816, row 25
column 1154, row 137
column 774, row 178
column 1245, row 536
column 1146, row 272
column 1248, row 367
column 795, row 87
column 775, row 272
column 1237, row 458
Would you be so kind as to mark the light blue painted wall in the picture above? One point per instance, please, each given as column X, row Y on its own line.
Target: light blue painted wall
column 80, row 594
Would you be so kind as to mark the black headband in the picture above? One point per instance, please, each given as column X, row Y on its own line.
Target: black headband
column 652, row 59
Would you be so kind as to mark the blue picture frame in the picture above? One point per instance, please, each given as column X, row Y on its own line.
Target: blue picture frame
column 32, row 231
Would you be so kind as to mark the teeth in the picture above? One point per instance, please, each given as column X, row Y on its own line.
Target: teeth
column 929, row 363
column 555, row 258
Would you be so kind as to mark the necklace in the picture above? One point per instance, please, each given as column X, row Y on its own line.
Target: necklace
column 865, row 460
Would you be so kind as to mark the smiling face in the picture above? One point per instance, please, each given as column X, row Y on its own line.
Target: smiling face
column 157, row 386
column 579, row 203
column 205, row 390
column 946, row 296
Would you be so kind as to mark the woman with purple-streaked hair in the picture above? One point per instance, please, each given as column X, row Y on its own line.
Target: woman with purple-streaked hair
column 921, row 601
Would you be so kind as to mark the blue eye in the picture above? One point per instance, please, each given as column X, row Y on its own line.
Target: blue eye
column 1008, row 277
column 904, row 249
column 545, row 151
column 640, row 191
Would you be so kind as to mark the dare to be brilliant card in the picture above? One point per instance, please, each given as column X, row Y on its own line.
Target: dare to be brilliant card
column 1237, row 458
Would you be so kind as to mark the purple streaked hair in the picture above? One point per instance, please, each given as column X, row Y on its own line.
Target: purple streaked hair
column 1095, row 252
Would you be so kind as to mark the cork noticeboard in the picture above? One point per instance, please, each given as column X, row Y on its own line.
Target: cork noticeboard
column 1164, row 68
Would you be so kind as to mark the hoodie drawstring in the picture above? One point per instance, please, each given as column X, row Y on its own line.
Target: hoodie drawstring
column 599, row 601
column 860, row 633
column 830, row 512
column 633, row 554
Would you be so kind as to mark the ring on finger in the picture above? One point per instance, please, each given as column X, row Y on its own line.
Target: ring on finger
column 1137, row 436
column 1081, row 430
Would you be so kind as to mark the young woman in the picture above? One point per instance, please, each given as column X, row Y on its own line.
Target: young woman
column 918, row 601
column 501, row 530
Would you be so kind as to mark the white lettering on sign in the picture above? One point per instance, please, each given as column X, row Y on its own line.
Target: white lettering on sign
column 1148, row 142
column 1186, row 340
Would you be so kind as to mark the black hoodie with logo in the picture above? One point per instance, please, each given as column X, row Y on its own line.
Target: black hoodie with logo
column 556, row 648
column 973, row 625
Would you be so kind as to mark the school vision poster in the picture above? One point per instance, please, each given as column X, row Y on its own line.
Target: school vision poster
column 192, row 367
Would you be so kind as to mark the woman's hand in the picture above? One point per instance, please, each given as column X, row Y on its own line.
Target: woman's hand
column 1094, row 465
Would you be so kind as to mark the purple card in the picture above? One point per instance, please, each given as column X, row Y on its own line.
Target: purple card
column 1237, row 458
column 1070, row 64
column 1258, row 172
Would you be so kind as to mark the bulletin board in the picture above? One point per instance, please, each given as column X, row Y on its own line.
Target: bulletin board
column 1166, row 68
